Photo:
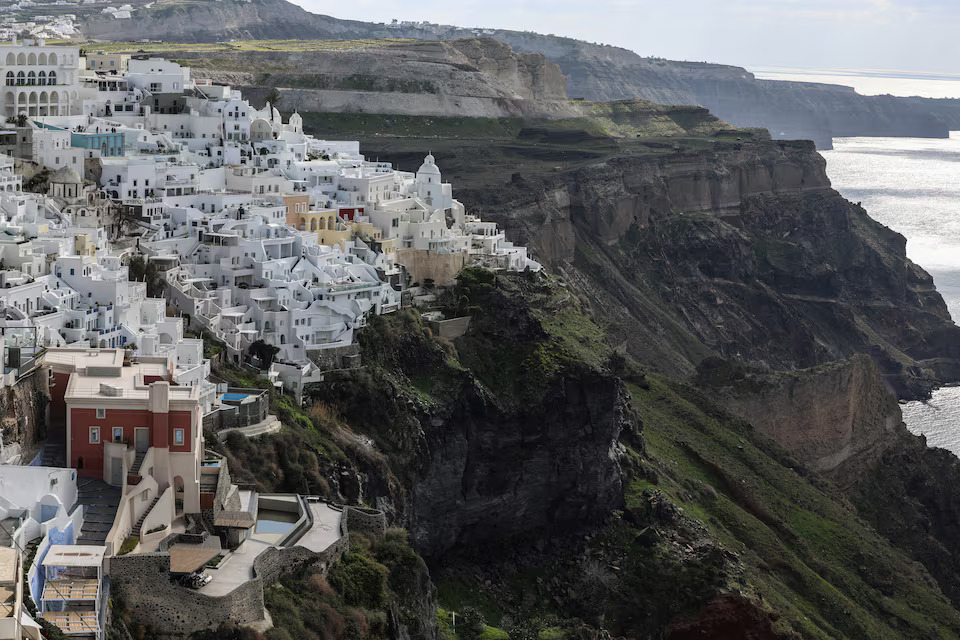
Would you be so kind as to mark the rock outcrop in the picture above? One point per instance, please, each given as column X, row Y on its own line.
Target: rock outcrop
column 23, row 409
column 838, row 419
column 745, row 253
column 517, row 441
column 492, row 475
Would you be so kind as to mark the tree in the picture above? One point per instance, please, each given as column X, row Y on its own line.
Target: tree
column 471, row 624
column 143, row 270
column 263, row 352
column 274, row 97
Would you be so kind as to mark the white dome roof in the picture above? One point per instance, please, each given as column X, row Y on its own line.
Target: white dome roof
column 429, row 166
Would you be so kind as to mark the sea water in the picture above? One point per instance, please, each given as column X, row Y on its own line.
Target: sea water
column 913, row 186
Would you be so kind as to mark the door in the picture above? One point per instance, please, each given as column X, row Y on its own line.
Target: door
column 116, row 472
column 142, row 439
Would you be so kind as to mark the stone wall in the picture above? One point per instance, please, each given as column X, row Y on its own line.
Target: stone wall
column 25, row 404
column 362, row 520
column 450, row 329
column 422, row 265
column 336, row 358
column 155, row 600
column 233, row 416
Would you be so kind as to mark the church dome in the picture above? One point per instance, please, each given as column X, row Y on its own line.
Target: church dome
column 429, row 166
column 66, row 175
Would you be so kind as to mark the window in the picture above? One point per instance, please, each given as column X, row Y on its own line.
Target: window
column 178, row 436
column 118, row 434
column 94, row 435
column 101, row 413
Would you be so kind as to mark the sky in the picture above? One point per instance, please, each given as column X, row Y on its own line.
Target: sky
column 904, row 35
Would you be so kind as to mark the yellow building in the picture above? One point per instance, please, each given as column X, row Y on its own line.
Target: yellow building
column 83, row 245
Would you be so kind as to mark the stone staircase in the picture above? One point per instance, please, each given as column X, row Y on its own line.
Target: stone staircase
column 138, row 462
column 137, row 528
column 100, row 502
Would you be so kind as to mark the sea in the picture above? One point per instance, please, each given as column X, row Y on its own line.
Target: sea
column 911, row 185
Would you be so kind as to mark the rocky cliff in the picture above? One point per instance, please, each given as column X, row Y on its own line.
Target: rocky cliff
column 23, row 414
column 837, row 419
column 743, row 251
column 505, row 437
column 790, row 110
column 466, row 78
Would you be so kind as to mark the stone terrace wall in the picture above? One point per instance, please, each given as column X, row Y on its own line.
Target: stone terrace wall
column 233, row 416
column 362, row 520
column 156, row 600
column 144, row 580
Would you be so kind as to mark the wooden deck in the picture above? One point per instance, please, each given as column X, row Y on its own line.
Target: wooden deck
column 70, row 590
column 73, row 621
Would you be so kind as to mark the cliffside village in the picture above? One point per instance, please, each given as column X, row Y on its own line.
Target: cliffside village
column 258, row 234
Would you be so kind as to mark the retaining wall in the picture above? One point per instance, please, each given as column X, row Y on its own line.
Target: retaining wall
column 450, row 329
column 347, row 357
column 362, row 520
column 171, row 609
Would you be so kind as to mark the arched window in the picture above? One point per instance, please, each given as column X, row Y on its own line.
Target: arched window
column 42, row 58
column 21, row 59
column 21, row 78
column 11, row 59
column 31, row 77
column 42, row 78
column 52, row 76
column 32, row 59
column 52, row 59
column 10, row 79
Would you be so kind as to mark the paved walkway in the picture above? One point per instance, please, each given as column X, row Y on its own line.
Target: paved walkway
column 325, row 530
column 270, row 425
column 237, row 568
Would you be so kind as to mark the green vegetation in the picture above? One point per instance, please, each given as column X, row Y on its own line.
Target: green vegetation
column 128, row 545
column 354, row 599
column 143, row 270
column 804, row 553
column 520, row 360
column 470, row 625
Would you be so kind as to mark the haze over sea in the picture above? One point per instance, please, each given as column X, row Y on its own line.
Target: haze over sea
column 913, row 186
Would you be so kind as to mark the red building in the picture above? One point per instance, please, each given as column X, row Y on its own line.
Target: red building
column 125, row 421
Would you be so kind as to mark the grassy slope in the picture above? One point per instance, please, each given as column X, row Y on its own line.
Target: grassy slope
column 804, row 550
column 801, row 551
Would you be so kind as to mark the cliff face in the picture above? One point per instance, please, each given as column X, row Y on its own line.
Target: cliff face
column 837, row 419
column 493, row 476
column 742, row 253
column 23, row 414
column 469, row 78
column 515, row 441
column 790, row 110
